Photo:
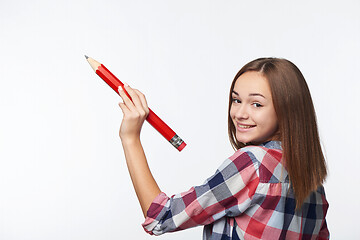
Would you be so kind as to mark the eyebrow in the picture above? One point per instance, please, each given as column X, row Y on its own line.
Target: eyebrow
column 251, row 94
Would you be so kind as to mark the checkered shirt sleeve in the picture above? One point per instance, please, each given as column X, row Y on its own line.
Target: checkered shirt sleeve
column 227, row 193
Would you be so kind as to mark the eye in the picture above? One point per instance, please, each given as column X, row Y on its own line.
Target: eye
column 235, row 100
column 257, row 105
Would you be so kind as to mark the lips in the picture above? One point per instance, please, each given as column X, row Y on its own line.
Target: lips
column 244, row 126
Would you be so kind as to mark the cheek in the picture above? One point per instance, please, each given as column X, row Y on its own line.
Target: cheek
column 268, row 119
column 232, row 112
column 272, row 121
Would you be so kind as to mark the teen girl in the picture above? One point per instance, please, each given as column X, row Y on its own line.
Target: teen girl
column 271, row 188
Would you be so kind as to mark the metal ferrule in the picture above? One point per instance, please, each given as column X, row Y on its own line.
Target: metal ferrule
column 176, row 141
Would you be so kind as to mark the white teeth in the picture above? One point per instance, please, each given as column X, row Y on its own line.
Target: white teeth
column 243, row 126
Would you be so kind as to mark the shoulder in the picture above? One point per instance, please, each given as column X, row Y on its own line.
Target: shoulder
column 265, row 159
column 256, row 154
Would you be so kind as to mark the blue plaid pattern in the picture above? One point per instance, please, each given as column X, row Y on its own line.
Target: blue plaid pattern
column 248, row 197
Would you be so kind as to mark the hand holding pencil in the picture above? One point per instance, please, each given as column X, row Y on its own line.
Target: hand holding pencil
column 135, row 112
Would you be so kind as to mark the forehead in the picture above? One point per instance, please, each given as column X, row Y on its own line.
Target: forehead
column 252, row 82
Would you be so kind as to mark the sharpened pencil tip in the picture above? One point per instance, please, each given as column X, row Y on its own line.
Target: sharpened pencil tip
column 86, row 57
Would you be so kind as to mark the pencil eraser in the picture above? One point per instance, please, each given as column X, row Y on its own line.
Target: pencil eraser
column 181, row 147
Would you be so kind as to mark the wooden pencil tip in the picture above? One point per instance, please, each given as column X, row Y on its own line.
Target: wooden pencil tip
column 86, row 57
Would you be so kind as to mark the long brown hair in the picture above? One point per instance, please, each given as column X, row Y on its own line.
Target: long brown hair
column 302, row 153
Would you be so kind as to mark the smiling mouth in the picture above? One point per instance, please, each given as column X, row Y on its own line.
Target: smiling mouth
column 245, row 126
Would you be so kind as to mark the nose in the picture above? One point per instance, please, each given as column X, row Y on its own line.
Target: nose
column 241, row 112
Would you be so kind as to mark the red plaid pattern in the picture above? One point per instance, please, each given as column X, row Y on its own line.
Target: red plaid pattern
column 248, row 197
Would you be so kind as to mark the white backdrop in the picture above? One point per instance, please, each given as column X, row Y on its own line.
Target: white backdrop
column 62, row 169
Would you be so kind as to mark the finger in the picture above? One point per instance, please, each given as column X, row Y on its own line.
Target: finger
column 142, row 100
column 122, row 88
column 134, row 96
column 135, row 107
column 127, row 101
column 124, row 108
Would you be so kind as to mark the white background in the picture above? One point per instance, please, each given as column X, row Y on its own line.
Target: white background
column 62, row 169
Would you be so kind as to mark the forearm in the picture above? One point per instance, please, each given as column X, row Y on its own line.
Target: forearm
column 145, row 185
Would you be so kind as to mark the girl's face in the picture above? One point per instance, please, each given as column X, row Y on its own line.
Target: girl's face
column 252, row 110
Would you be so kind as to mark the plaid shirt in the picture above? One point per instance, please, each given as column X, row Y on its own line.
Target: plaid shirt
column 248, row 197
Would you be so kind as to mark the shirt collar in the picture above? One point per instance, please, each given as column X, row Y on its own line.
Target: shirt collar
column 272, row 145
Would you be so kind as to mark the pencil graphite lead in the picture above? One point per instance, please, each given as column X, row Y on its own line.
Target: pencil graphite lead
column 86, row 56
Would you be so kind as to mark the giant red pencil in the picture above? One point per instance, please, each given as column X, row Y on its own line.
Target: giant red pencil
column 152, row 118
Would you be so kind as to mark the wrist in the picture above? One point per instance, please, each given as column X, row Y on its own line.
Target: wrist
column 129, row 141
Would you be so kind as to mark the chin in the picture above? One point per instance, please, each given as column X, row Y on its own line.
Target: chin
column 243, row 140
column 248, row 141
